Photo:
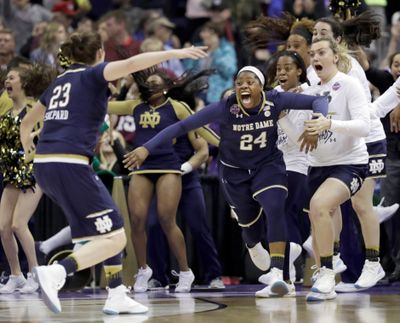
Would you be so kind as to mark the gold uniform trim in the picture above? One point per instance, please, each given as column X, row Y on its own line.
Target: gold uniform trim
column 246, row 225
column 155, row 171
column 98, row 236
column 66, row 158
column 267, row 188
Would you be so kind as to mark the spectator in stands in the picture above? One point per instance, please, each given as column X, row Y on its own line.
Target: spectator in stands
column 120, row 44
column 22, row 16
column 7, row 47
column 54, row 35
column 222, row 57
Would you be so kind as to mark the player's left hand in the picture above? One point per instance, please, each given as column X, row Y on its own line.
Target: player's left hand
column 135, row 158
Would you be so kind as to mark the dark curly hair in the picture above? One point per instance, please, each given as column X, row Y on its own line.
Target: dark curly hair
column 182, row 88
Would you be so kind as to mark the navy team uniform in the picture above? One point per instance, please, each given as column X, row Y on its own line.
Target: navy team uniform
column 251, row 169
column 192, row 209
column 149, row 122
column 76, row 104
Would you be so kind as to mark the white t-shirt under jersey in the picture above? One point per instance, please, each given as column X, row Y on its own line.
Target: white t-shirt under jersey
column 295, row 160
column 388, row 100
column 344, row 143
column 376, row 132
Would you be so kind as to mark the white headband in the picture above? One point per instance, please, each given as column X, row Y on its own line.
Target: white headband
column 254, row 70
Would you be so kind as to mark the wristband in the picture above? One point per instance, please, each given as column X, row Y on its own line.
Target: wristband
column 186, row 168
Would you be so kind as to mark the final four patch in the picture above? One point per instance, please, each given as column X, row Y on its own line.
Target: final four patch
column 336, row 86
column 234, row 109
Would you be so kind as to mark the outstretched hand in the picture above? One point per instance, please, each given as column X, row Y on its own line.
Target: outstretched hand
column 135, row 158
column 192, row 52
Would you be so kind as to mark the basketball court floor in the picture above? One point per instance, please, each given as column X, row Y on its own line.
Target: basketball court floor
column 233, row 304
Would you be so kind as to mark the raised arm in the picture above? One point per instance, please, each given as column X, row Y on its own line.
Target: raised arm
column 121, row 68
column 296, row 101
column 388, row 100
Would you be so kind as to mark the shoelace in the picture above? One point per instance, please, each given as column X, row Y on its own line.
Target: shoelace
column 381, row 201
column 180, row 283
column 316, row 271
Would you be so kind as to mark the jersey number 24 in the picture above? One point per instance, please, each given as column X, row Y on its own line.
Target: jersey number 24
column 247, row 141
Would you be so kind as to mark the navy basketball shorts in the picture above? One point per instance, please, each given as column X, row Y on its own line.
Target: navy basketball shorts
column 86, row 202
column 352, row 176
column 377, row 159
column 241, row 186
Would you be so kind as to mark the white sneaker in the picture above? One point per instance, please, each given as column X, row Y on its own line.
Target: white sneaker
column 186, row 278
column 260, row 257
column 51, row 279
column 31, row 285
column 266, row 292
column 142, row 280
column 338, row 265
column 119, row 302
column 384, row 213
column 325, row 282
column 13, row 284
column 372, row 272
column 319, row 297
column 315, row 273
column 295, row 252
column 347, row 288
column 216, row 283
column 277, row 286
column 307, row 245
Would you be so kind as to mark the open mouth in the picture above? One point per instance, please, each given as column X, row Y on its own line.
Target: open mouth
column 318, row 67
column 245, row 98
column 8, row 89
column 282, row 81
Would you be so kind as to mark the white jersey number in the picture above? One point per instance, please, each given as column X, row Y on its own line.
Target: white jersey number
column 247, row 141
column 60, row 96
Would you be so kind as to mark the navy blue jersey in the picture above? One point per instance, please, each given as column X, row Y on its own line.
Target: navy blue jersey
column 76, row 104
column 248, row 137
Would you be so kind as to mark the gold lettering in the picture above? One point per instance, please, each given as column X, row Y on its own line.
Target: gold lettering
column 149, row 119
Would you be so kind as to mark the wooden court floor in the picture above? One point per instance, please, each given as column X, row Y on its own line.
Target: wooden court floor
column 234, row 304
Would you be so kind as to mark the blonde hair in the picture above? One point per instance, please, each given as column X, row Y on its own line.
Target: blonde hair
column 344, row 63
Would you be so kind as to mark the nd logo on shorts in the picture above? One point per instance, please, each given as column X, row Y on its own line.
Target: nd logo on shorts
column 103, row 224
column 376, row 166
column 355, row 185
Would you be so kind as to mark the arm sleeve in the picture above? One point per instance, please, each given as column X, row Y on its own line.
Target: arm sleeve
column 183, row 111
column 359, row 125
column 296, row 101
column 122, row 107
column 387, row 101
column 206, row 115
